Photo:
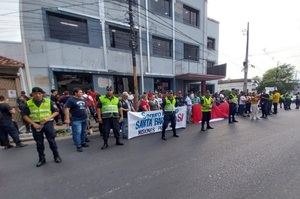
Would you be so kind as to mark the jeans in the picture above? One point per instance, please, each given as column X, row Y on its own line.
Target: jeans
column 124, row 125
column 79, row 132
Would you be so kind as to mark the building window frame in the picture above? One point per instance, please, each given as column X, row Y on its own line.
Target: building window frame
column 162, row 7
column 67, row 28
column 120, row 37
column 210, row 63
column 191, row 52
column 161, row 46
column 190, row 16
column 211, row 43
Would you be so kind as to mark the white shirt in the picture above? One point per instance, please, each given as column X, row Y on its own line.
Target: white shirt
column 130, row 97
column 242, row 100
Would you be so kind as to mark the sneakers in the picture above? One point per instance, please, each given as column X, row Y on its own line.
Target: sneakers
column 209, row 127
column 175, row 135
column 163, row 138
column 105, row 145
column 119, row 143
column 85, row 145
column 79, row 149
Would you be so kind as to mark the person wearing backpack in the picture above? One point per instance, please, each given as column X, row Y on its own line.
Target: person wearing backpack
column 7, row 126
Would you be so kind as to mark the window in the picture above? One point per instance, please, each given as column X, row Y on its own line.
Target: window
column 162, row 7
column 191, row 52
column 162, row 47
column 210, row 43
column 190, row 16
column 66, row 27
column 120, row 38
column 210, row 63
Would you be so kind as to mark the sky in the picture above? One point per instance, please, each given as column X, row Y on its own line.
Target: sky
column 274, row 32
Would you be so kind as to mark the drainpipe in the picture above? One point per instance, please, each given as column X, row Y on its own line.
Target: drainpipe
column 204, row 35
column 147, row 30
column 141, row 47
column 102, row 20
column 174, row 46
column 27, row 70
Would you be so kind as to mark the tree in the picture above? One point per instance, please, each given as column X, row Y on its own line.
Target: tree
column 280, row 77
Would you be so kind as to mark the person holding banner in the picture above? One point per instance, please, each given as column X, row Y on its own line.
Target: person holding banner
column 206, row 106
column 110, row 114
column 168, row 107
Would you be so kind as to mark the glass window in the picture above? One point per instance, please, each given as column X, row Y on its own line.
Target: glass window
column 210, row 43
column 162, row 47
column 162, row 7
column 190, row 16
column 119, row 38
column 191, row 52
column 210, row 63
column 66, row 27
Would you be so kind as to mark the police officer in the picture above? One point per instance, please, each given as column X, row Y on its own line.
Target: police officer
column 40, row 112
column 206, row 106
column 233, row 101
column 110, row 114
column 168, row 107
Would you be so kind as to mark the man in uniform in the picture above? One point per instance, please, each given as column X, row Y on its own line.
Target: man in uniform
column 206, row 105
column 40, row 112
column 110, row 114
column 168, row 107
column 233, row 101
column 264, row 99
column 7, row 126
column 297, row 100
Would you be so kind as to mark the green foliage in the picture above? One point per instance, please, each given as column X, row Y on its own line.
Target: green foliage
column 280, row 77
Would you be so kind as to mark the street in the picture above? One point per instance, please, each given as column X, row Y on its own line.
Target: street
column 250, row 159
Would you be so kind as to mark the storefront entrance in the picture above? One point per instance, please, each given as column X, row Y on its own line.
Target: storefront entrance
column 67, row 81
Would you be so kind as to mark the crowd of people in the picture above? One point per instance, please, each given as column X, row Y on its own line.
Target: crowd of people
column 40, row 112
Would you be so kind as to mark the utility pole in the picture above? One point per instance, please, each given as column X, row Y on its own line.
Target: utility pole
column 133, row 47
column 246, row 62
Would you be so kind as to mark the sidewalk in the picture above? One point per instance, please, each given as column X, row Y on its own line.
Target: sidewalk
column 28, row 136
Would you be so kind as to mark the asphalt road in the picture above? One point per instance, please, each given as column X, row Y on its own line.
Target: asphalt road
column 250, row 159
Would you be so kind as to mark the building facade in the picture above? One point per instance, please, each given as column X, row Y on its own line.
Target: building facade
column 86, row 44
column 237, row 84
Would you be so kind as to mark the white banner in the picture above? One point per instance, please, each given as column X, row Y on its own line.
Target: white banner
column 143, row 123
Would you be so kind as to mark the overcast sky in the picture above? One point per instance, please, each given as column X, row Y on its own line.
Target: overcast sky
column 274, row 34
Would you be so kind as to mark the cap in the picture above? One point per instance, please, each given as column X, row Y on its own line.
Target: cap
column 37, row 90
column 109, row 88
column 170, row 91
column 179, row 92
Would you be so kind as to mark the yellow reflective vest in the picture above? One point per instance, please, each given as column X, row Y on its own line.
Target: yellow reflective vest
column 207, row 102
column 170, row 106
column 109, row 107
column 39, row 113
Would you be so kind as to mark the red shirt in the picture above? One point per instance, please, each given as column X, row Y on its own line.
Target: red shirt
column 144, row 103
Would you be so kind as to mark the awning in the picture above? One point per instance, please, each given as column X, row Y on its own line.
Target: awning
column 198, row 77
column 11, row 63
